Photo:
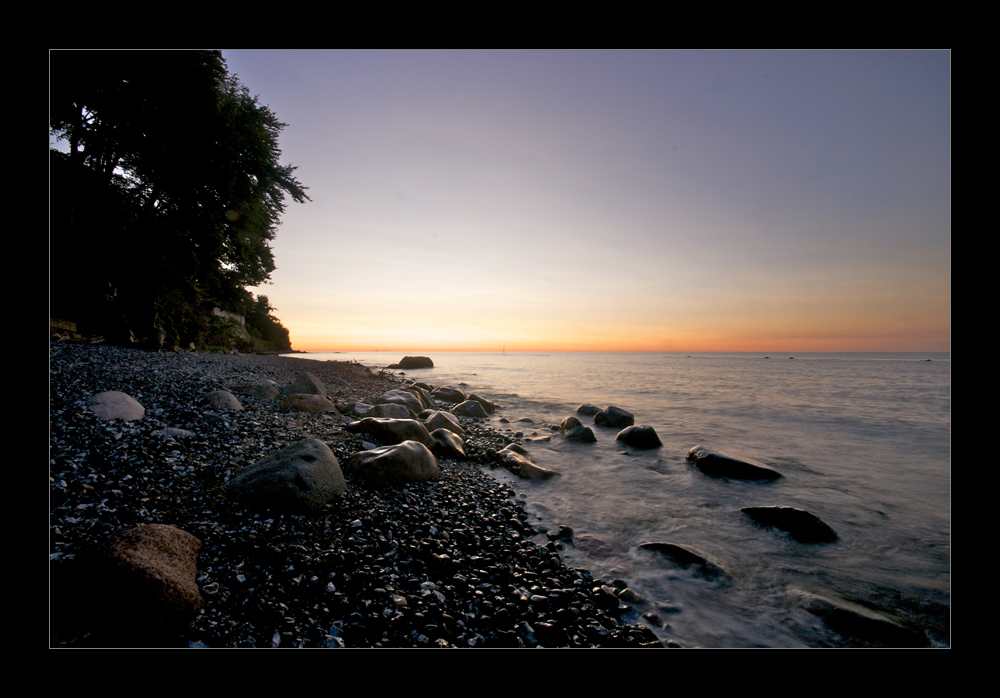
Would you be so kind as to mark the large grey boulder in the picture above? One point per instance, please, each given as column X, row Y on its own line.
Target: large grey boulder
column 448, row 444
column 639, row 437
column 443, row 420
column 588, row 409
column 470, row 408
column 261, row 391
column 392, row 431
column 802, row 525
column 306, row 383
column 684, row 557
column 425, row 397
column 299, row 478
column 399, row 464
column 449, row 394
column 725, row 464
column 116, row 405
column 574, row 430
column 224, row 400
column 851, row 619
column 524, row 468
column 313, row 404
column 401, row 397
column 614, row 417
column 487, row 405
column 390, row 410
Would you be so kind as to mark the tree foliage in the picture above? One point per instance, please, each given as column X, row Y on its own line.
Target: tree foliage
column 170, row 192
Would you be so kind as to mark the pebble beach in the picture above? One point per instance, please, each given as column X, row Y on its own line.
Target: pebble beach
column 454, row 562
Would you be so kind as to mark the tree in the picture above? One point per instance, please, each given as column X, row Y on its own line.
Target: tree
column 170, row 192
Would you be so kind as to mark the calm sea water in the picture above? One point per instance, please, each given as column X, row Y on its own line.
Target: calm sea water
column 862, row 440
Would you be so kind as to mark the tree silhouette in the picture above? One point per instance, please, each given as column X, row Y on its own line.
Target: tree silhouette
column 169, row 194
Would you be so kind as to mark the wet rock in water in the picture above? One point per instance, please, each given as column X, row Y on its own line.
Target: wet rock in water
column 470, row 408
column 685, row 557
column 854, row 620
column 447, row 444
column 392, row 431
column 524, row 468
column 261, row 391
column 142, row 581
column 223, row 400
column 413, row 362
column 639, row 437
column 312, row 404
column 802, row 525
column 487, row 405
column 306, row 383
column 593, row 545
column 401, row 397
column 574, row 430
column 614, row 417
column 116, row 405
column 588, row 409
column 402, row 463
column 443, row 420
column 725, row 464
column 449, row 394
column 299, row 478
column 424, row 395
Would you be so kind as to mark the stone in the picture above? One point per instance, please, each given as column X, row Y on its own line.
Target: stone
column 639, row 437
column 146, row 579
column 684, row 557
column 443, row 420
column 487, row 405
column 449, row 394
column 426, row 399
column 614, row 417
column 802, row 525
column 299, row 478
column 392, row 431
column 409, row 461
column 447, row 444
column 261, row 391
column 470, row 408
column 524, row 468
column 574, row 430
column 173, row 432
column 408, row 362
column 854, row 620
column 594, row 545
column 588, row 409
column 401, row 397
column 224, row 400
column 390, row 410
column 313, row 404
column 725, row 464
column 116, row 405
column 306, row 383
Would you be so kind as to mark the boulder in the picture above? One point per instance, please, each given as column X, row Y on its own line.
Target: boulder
column 390, row 410
column 224, row 400
column 725, row 464
column 306, row 383
column 470, row 408
column 413, row 362
column 392, row 431
column 449, row 394
column 144, row 580
column 447, row 444
column 487, row 405
column 802, row 525
column 574, row 430
column 594, row 545
column 261, row 391
column 313, row 404
column 524, row 468
column 116, row 405
column 588, row 409
column 639, row 437
column 443, row 420
column 401, row 397
column 408, row 461
column 425, row 397
column 851, row 619
column 614, row 417
column 299, row 478
column 684, row 557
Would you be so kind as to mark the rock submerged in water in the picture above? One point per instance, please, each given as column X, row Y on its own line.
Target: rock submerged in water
column 851, row 619
column 685, row 557
column 724, row 464
column 470, row 408
column 614, row 417
column 524, row 468
column 574, row 430
column 802, row 525
column 413, row 362
column 639, row 437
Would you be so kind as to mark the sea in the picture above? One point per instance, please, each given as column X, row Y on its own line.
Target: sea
column 862, row 440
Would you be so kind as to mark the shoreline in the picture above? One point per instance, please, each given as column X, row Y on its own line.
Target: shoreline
column 443, row 563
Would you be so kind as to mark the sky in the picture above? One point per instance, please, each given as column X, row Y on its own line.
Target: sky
column 612, row 200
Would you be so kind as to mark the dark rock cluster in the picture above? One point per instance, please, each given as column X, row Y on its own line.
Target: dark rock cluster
column 441, row 562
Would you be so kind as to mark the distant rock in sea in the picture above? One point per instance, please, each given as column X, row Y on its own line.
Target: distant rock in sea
column 413, row 362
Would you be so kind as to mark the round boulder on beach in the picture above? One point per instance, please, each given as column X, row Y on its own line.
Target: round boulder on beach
column 116, row 405
column 639, row 437
column 299, row 478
